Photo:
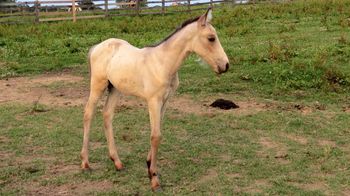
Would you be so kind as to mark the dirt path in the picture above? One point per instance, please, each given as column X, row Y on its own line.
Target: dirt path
column 67, row 90
column 46, row 89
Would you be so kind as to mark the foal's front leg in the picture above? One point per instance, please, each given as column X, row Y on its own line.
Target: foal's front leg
column 154, row 107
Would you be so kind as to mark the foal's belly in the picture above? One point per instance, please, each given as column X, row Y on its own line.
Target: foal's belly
column 127, row 84
column 132, row 73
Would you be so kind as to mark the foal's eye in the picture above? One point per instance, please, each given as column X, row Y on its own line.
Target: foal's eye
column 211, row 39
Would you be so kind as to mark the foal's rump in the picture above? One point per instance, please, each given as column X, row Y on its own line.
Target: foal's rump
column 102, row 53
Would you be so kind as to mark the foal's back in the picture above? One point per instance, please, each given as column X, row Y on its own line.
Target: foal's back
column 102, row 53
column 125, row 66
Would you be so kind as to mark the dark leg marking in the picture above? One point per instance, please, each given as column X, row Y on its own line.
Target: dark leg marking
column 148, row 164
column 148, row 167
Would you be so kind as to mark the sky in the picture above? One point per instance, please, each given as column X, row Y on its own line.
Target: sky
column 113, row 1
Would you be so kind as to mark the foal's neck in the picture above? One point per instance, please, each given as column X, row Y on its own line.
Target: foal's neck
column 175, row 50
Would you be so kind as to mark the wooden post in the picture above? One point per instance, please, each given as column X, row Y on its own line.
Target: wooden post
column 163, row 7
column 188, row 5
column 138, row 7
column 36, row 11
column 22, row 11
column 211, row 3
column 106, row 8
column 73, row 11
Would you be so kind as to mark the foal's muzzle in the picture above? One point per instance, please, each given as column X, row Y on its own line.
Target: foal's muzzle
column 223, row 69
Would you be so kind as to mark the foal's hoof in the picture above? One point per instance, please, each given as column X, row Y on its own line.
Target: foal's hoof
column 155, row 185
column 157, row 189
column 118, row 165
column 85, row 166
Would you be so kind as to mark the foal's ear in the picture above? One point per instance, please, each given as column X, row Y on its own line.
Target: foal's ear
column 206, row 18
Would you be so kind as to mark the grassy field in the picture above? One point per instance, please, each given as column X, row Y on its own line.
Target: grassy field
column 290, row 73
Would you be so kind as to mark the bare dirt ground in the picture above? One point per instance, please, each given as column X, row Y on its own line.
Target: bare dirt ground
column 69, row 90
column 50, row 89
column 66, row 90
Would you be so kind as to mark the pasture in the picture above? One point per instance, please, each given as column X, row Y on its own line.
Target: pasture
column 290, row 75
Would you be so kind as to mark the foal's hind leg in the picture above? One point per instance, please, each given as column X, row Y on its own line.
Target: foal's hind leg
column 108, row 113
column 96, row 90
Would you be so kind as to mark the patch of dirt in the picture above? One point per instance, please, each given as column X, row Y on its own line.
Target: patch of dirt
column 225, row 157
column 96, row 145
column 28, row 158
column 76, row 188
column 257, row 187
column 210, row 175
column 346, row 191
column 233, row 175
column 327, row 143
column 37, row 89
column 321, row 186
column 268, row 143
column 297, row 107
column 346, row 109
column 278, row 150
column 187, row 105
column 69, row 90
column 303, row 109
column 4, row 157
column 306, row 110
column 4, row 139
column 296, row 138
column 61, row 169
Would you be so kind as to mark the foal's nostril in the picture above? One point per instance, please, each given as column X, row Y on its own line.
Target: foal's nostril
column 223, row 69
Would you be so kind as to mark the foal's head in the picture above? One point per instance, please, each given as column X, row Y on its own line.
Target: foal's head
column 207, row 45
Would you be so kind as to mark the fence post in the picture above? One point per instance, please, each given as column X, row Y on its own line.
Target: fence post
column 211, row 3
column 106, row 8
column 22, row 11
column 73, row 11
column 188, row 5
column 37, row 11
column 138, row 7
column 163, row 7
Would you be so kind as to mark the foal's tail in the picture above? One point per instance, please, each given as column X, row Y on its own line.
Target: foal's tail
column 89, row 58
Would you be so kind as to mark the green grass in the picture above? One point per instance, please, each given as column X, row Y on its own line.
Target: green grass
column 286, row 56
column 223, row 153
column 275, row 48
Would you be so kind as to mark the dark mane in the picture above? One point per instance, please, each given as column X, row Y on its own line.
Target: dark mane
column 184, row 24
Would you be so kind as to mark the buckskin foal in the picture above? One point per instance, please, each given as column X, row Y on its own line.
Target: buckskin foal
column 150, row 73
